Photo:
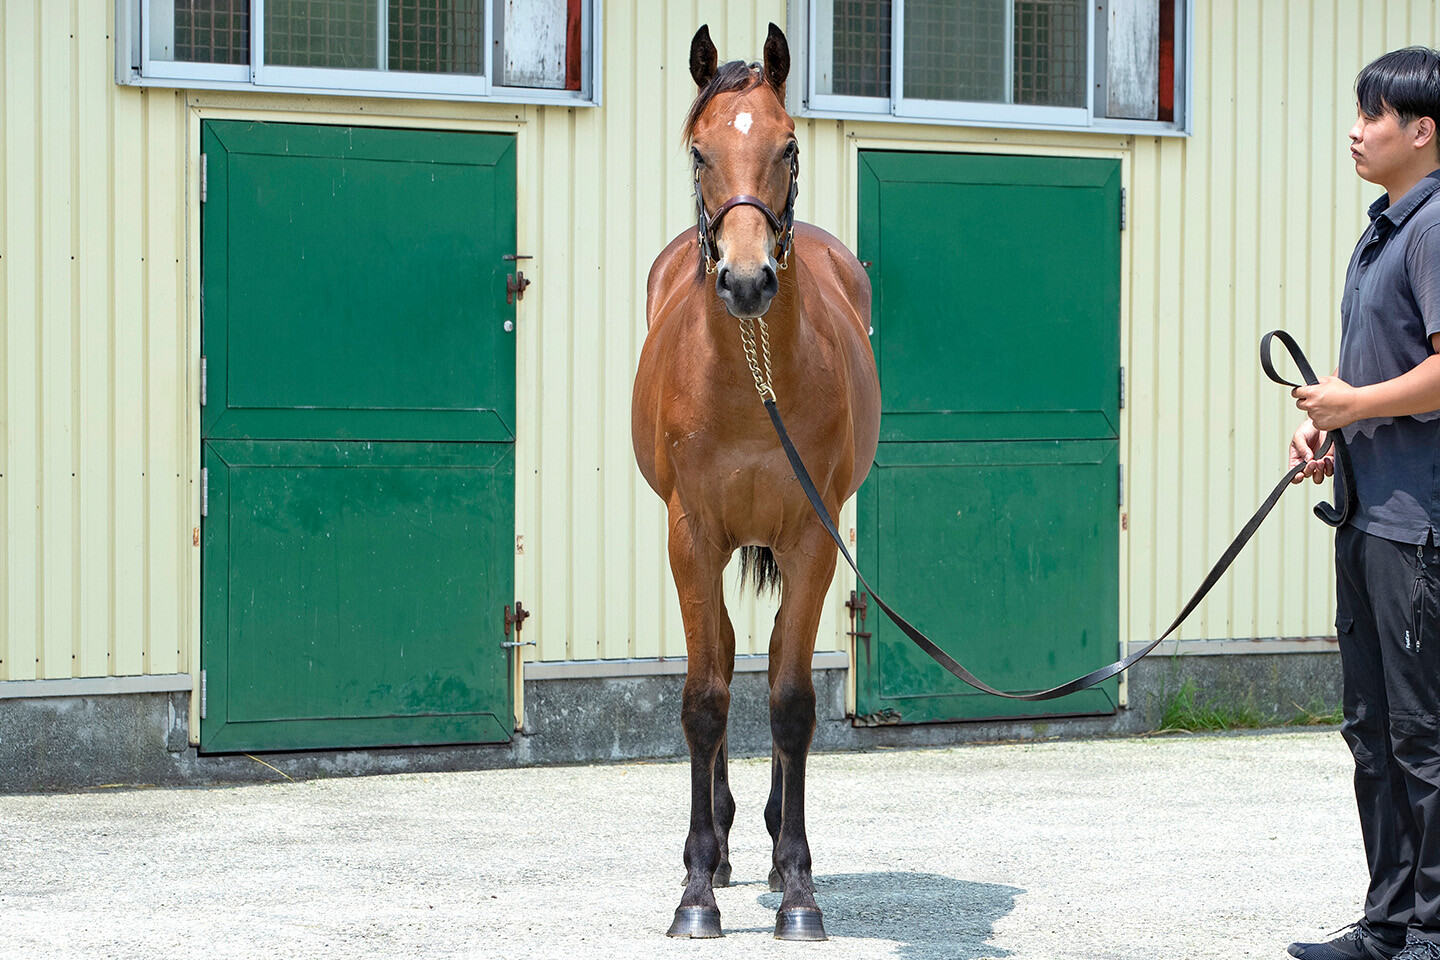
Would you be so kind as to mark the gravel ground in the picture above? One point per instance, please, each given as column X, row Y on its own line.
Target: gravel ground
column 1173, row 847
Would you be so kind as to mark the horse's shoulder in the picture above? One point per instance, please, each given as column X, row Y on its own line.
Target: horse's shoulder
column 671, row 267
column 833, row 257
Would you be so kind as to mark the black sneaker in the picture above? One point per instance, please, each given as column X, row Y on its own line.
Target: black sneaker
column 1356, row 942
column 1417, row 949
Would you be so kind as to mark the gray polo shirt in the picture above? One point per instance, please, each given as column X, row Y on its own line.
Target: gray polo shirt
column 1390, row 308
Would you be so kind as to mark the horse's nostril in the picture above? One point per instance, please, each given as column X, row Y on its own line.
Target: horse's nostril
column 724, row 277
column 772, row 282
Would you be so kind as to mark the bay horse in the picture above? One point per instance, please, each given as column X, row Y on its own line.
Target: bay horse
column 705, row 444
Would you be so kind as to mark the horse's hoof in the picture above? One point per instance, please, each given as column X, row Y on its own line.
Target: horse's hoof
column 698, row 923
column 777, row 885
column 799, row 923
column 722, row 875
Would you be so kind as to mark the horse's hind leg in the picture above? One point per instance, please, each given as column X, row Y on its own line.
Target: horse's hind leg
column 723, row 803
column 807, row 571
column 722, row 800
column 704, row 707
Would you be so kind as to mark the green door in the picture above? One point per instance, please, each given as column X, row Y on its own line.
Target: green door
column 358, row 437
column 991, row 517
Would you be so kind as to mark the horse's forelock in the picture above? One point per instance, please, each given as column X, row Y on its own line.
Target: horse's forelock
column 730, row 77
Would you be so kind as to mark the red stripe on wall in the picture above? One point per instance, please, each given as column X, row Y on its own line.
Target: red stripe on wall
column 572, row 46
column 1167, row 60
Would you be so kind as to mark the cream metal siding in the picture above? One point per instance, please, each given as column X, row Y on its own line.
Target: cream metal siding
column 96, row 520
column 1242, row 227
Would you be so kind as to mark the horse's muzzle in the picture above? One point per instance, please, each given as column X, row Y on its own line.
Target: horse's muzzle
column 747, row 292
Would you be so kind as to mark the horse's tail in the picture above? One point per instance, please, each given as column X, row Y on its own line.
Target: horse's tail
column 758, row 564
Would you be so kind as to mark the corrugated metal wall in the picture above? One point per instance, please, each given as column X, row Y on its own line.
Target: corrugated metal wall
column 94, row 474
column 1240, row 228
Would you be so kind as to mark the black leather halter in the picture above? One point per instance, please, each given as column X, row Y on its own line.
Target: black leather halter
column 784, row 225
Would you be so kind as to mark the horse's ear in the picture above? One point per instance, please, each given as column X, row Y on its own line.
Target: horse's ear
column 703, row 57
column 777, row 59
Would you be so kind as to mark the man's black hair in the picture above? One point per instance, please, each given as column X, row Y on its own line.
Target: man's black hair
column 1405, row 82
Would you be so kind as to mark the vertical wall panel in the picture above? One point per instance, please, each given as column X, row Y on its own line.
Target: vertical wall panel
column 56, row 307
column 22, row 349
column 127, row 371
column 620, row 330
column 94, row 439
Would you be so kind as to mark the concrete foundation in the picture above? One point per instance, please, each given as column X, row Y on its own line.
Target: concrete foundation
column 65, row 743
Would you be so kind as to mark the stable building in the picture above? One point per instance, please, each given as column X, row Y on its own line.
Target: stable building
column 320, row 321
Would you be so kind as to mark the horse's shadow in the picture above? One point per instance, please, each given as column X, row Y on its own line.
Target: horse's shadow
column 930, row 916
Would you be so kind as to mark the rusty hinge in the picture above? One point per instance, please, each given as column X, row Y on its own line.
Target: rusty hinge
column 515, row 283
column 517, row 620
column 204, row 177
column 859, row 606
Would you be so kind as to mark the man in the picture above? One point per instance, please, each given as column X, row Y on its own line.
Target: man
column 1385, row 396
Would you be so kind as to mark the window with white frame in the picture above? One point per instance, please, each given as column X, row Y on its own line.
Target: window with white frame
column 1086, row 64
column 534, row 51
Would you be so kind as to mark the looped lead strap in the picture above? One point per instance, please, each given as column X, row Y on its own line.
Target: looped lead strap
column 1106, row 672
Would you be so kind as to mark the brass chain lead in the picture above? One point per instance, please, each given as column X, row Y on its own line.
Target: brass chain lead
column 747, row 339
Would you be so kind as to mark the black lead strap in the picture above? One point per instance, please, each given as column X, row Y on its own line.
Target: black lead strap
column 1331, row 515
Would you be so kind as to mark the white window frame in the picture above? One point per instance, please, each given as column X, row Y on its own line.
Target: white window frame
column 804, row 101
column 134, row 65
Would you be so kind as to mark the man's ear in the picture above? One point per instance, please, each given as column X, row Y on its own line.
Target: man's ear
column 704, row 58
column 1424, row 132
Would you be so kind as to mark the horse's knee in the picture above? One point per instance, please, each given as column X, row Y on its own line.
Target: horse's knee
column 704, row 706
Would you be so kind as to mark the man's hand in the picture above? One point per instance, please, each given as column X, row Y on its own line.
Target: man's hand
column 1331, row 404
column 1309, row 438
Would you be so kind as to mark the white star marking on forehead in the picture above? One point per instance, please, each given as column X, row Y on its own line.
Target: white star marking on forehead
column 742, row 123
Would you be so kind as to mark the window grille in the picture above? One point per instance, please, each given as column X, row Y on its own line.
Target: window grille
column 1050, row 52
column 212, row 31
column 955, row 50
column 862, row 48
column 437, row 36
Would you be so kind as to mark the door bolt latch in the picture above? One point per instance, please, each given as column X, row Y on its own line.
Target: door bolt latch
column 517, row 620
column 859, row 606
column 515, row 283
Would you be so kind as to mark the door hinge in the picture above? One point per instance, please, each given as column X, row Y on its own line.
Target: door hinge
column 1120, row 475
column 204, row 492
column 517, row 620
column 1122, row 388
column 203, row 383
column 204, row 176
column 202, row 694
column 1122, row 208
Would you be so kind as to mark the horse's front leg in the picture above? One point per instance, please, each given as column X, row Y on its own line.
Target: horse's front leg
column 704, row 708
column 722, row 800
column 808, row 570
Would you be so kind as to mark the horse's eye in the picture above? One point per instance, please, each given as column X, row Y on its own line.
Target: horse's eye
column 791, row 149
column 695, row 155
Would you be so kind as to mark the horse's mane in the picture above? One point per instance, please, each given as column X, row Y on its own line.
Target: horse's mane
column 730, row 77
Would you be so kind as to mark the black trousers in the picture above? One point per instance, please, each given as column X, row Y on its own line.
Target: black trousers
column 1388, row 609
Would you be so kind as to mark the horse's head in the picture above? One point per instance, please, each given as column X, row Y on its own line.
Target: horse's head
column 742, row 143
